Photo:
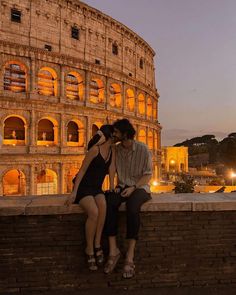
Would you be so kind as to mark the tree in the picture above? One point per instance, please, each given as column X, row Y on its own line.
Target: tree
column 185, row 185
column 227, row 150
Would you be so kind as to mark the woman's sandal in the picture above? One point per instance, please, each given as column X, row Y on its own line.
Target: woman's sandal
column 91, row 261
column 111, row 263
column 128, row 270
column 99, row 256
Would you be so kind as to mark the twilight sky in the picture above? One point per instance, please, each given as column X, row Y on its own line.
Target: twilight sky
column 195, row 45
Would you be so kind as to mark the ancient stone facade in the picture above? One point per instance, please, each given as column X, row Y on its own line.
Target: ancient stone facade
column 65, row 69
column 174, row 162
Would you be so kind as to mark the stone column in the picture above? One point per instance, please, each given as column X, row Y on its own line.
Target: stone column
column 87, row 86
column 89, row 131
column 62, row 176
column 123, row 97
column 106, row 93
column 62, row 142
column 32, row 129
column 32, row 180
column 62, row 84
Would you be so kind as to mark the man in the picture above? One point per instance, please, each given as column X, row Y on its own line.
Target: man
column 134, row 171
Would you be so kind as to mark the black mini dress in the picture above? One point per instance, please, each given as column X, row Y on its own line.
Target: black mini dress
column 91, row 183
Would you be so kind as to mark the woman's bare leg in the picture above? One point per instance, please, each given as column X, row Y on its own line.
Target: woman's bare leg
column 101, row 205
column 89, row 205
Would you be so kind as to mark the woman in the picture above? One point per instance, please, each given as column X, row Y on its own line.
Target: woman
column 87, row 191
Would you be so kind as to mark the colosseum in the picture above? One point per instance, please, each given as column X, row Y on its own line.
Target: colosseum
column 65, row 69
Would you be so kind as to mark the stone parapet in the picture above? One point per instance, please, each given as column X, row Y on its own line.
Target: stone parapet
column 55, row 204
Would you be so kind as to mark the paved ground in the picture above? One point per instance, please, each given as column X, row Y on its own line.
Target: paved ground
column 157, row 291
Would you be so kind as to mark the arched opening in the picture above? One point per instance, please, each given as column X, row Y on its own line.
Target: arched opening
column 96, row 91
column 142, row 136
column 95, row 127
column 72, row 132
column 74, row 86
column 47, row 182
column 155, row 141
column 14, row 183
column 69, row 179
column 46, row 134
column 130, row 100
column 150, row 140
column 172, row 165
column 154, row 110
column 14, row 131
column 141, row 104
column 47, row 82
column 149, row 107
column 115, row 95
column 15, row 77
column 75, row 133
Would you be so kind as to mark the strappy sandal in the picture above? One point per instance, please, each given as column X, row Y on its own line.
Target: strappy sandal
column 128, row 270
column 99, row 256
column 111, row 263
column 91, row 261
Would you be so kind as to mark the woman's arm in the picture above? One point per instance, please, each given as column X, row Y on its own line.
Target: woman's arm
column 90, row 155
column 112, row 169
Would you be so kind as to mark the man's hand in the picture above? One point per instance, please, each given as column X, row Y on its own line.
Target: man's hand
column 127, row 191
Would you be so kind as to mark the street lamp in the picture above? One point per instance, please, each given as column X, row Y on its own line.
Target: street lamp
column 233, row 175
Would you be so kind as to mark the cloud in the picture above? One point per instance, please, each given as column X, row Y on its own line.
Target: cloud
column 172, row 136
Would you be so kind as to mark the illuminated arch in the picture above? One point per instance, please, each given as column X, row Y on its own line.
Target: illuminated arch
column 15, row 76
column 95, row 127
column 69, row 179
column 142, row 136
column 141, row 104
column 96, row 91
column 130, row 100
column 150, row 140
column 47, row 182
column 115, row 95
column 149, row 107
column 75, row 133
column 47, row 132
column 47, row 82
column 154, row 110
column 14, row 130
column 172, row 165
column 155, row 140
column 14, row 183
column 74, row 86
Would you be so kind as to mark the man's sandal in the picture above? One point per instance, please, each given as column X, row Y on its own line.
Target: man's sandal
column 99, row 256
column 111, row 263
column 91, row 262
column 128, row 270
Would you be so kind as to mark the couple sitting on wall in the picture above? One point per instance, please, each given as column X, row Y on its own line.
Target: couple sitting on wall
column 131, row 161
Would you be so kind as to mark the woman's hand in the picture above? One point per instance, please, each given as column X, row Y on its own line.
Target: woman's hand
column 70, row 200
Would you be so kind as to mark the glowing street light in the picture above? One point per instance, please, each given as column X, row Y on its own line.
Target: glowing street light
column 155, row 183
column 233, row 175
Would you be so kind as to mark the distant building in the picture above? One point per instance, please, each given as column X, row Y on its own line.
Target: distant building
column 174, row 162
column 204, row 176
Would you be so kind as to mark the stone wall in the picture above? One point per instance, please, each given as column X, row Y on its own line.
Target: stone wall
column 185, row 240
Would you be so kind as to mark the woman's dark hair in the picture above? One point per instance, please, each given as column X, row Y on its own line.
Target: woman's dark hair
column 125, row 127
column 107, row 131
